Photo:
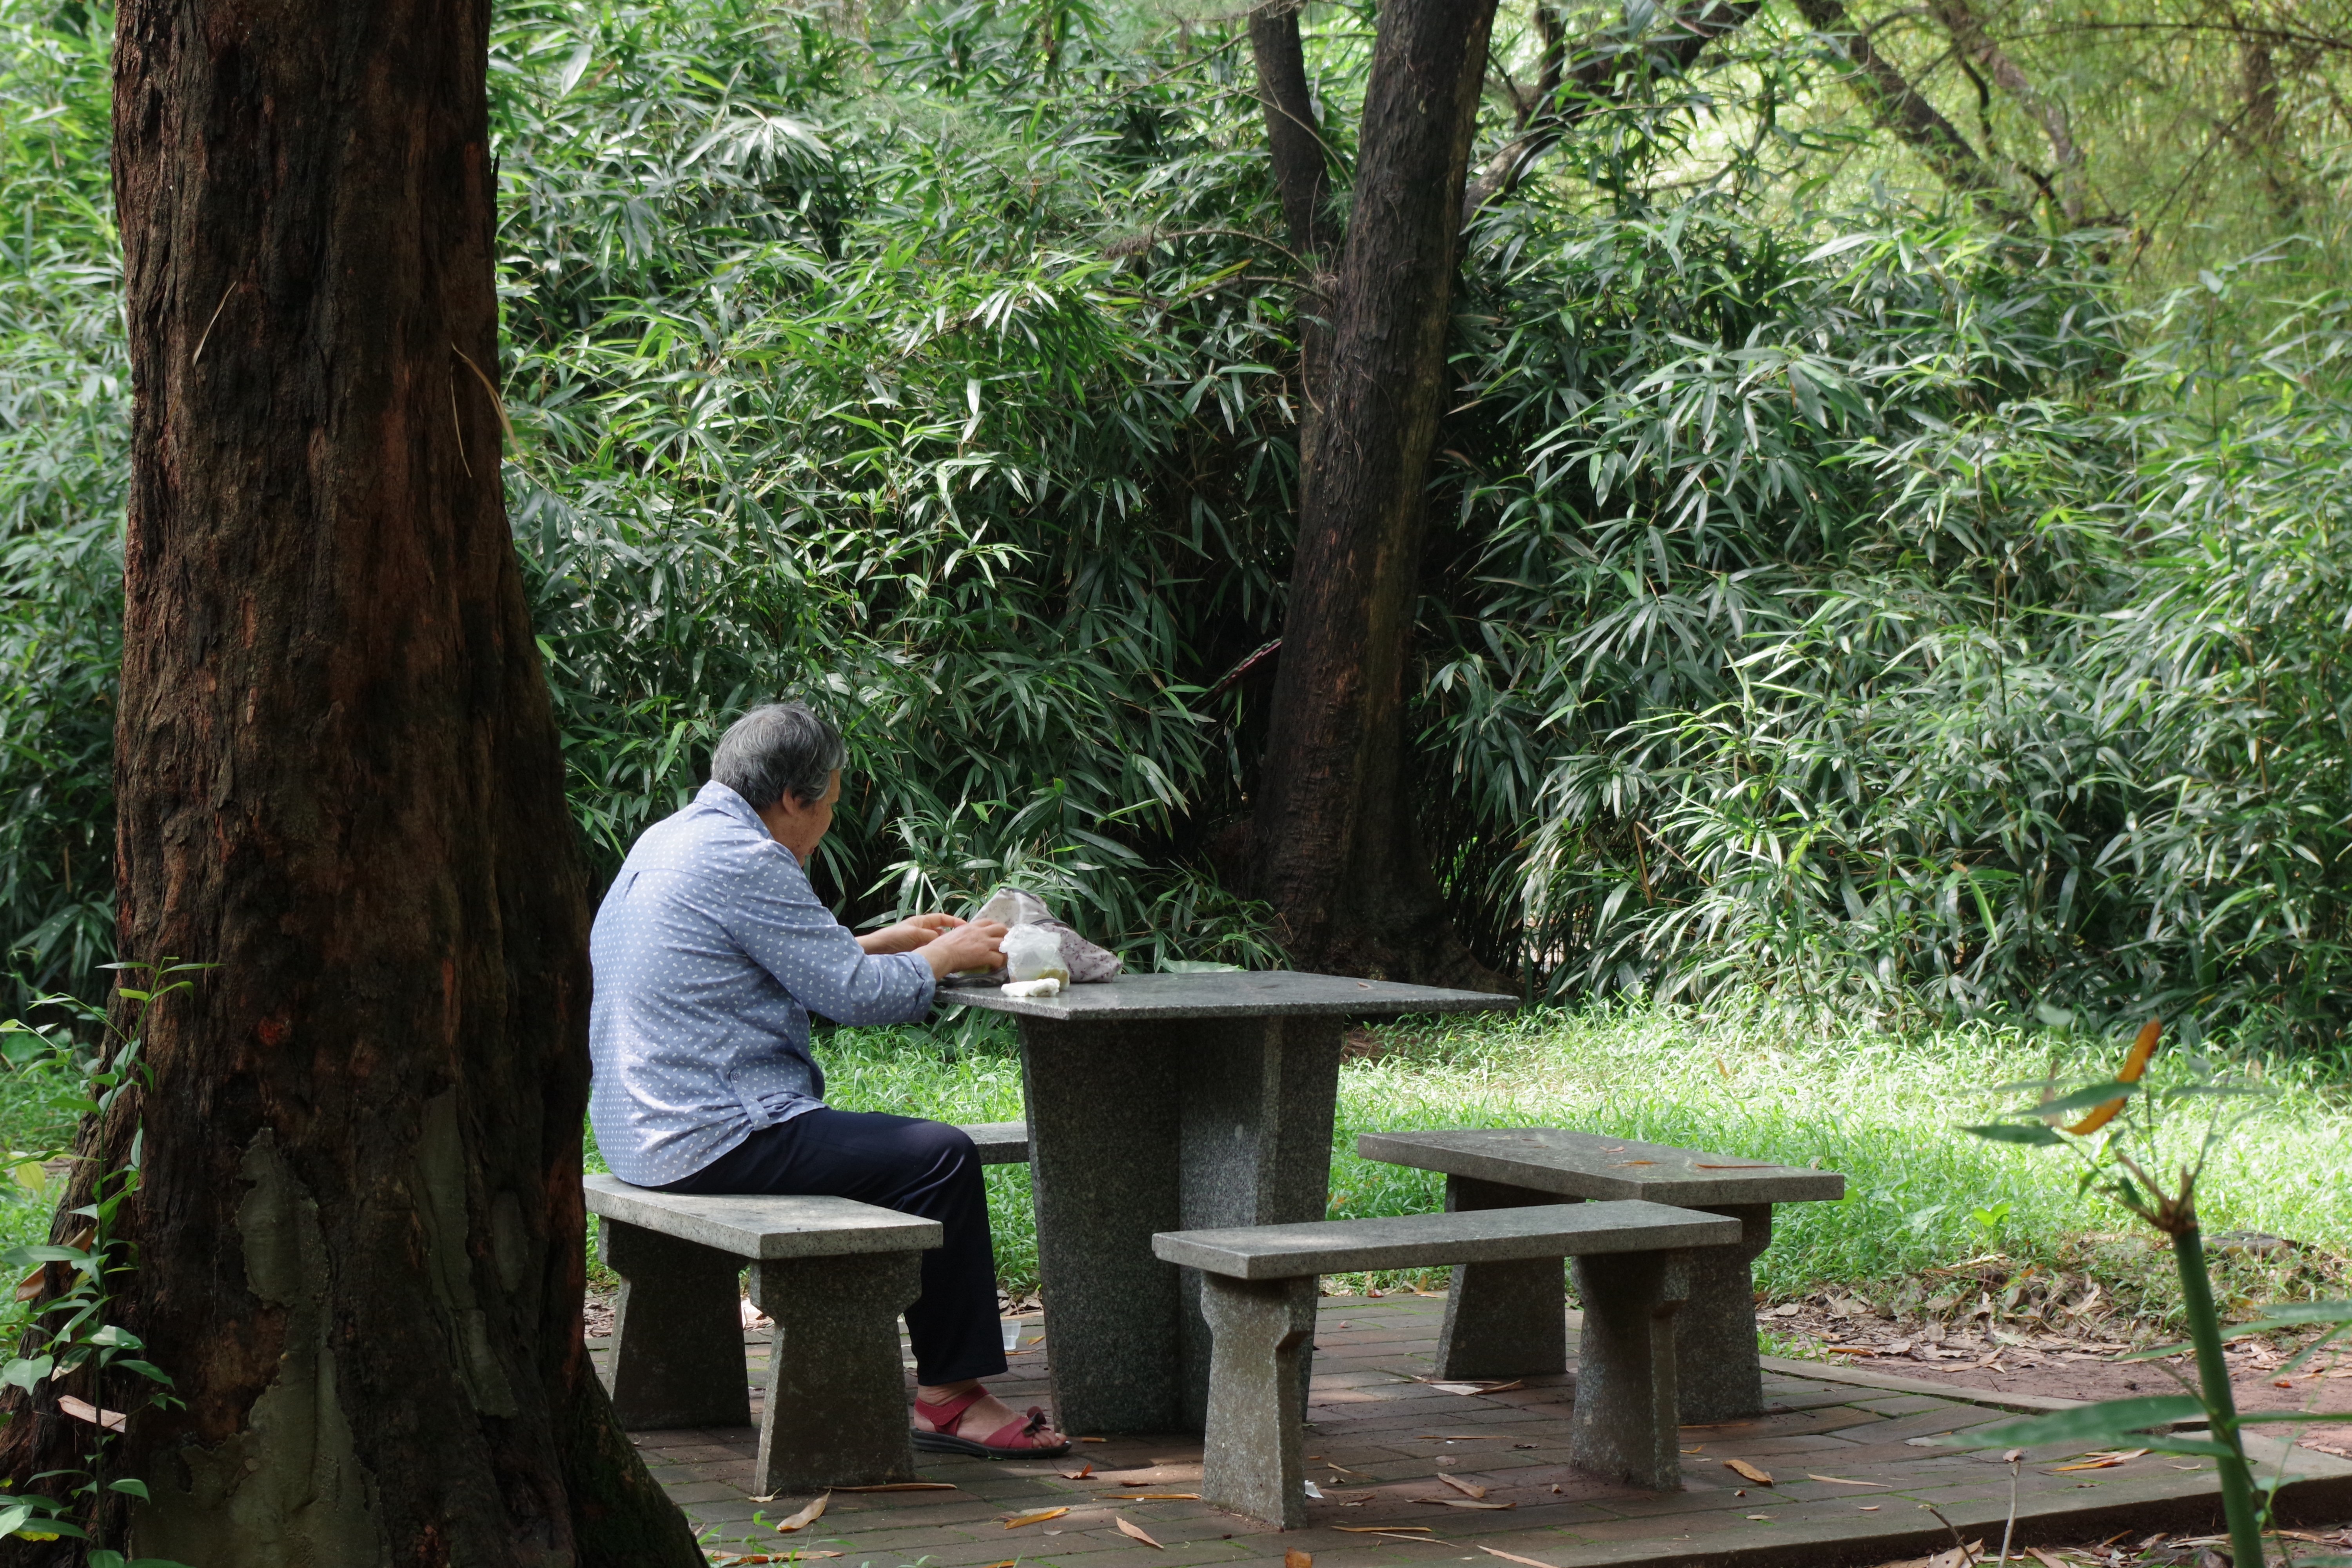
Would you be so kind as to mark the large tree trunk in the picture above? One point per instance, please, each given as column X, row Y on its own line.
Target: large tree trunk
column 1337, row 854
column 359, row 1230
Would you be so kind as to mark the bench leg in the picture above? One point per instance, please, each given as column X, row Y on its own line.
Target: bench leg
column 1715, row 1332
column 678, row 1333
column 836, row 1412
column 1623, row 1428
column 1503, row 1320
column 1254, row 1461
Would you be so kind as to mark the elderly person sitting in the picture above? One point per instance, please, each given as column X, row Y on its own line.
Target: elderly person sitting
column 710, row 951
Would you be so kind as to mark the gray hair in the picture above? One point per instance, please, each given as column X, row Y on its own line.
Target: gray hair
column 777, row 750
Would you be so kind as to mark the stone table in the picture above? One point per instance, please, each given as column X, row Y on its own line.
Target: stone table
column 1161, row 1102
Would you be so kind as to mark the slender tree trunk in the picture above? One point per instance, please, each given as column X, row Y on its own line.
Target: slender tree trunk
column 1898, row 106
column 360, row 1223
column 1975, row 43
column 1302, row 174
column 1337, row 853
column 1596, row 78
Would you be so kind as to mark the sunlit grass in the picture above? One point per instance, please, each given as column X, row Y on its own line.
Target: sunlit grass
column 1813, row 1089
column 1883, row 1109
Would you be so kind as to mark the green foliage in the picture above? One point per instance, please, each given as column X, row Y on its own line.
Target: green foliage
column 64, row 438
column 839, row 395
column 86, row 1362
column 1846, row 600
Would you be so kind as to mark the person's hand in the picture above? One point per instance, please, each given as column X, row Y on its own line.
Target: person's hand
column 973, row 944
column 908, row 934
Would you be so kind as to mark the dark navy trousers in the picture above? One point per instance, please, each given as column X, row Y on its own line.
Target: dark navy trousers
column 924, row 1168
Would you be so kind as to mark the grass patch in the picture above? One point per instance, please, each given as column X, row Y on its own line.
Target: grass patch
column 1758, row 1082
column 1820, row 1089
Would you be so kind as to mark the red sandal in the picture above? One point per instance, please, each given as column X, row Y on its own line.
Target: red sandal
column 1017, row 1440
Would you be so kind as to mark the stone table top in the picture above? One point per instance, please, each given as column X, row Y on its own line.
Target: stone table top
column 1276, row 992
column 1589, row 1165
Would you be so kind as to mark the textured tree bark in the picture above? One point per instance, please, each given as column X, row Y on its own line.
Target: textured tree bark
column 1302, row 174
column 1337, row 853
column 360, row 1222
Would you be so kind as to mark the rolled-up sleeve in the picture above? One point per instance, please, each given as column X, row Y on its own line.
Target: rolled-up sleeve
column 776, row 918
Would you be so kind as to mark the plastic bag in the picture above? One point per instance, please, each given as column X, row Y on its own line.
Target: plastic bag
column 1082, row 961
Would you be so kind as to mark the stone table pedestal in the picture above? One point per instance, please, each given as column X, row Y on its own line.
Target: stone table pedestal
column 1164, row 1102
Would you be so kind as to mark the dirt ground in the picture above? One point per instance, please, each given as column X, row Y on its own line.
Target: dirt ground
column 2127, row 1552
column 2062, row 1366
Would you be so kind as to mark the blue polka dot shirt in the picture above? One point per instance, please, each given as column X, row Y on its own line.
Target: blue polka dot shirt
column 710, row 951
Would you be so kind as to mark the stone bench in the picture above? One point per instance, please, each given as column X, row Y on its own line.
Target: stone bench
column 1510, row 1320
column 1257, row 1290
column 1000, row 1142
column 833, row 1276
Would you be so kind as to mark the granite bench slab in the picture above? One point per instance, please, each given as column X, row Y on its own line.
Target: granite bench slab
column 1589, row 1165
column 1000, row 1142
column 1258, row 1291
column 1420, row 1240
column 833, row 1276
column 760, row 1226
column 1507, row 1320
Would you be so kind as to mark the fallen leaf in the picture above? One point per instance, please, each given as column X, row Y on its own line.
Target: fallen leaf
column 1464, row 1488
column 1761, row 1478
column 1008, row 1563
column 1459, row 1387
column 1081, row 1473
column 806, row 1516
column 1514, row 1557
column 1294, row 1558
column 1842, row 1481
column 1766, row 1518
column 901, row 1486
column 2100, row 1461
column 2046, row 1558
column 1133, row 1533
column 1632, row 1162
column 1040, row 1517
column 1463, row 1502
column 1094, row 1439
column 83, row 1410
column 1869, row 1507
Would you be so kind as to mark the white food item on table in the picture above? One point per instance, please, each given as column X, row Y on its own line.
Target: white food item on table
column 1049, row 987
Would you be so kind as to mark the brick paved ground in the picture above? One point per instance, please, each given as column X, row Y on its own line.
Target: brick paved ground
column 1382, row 1439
